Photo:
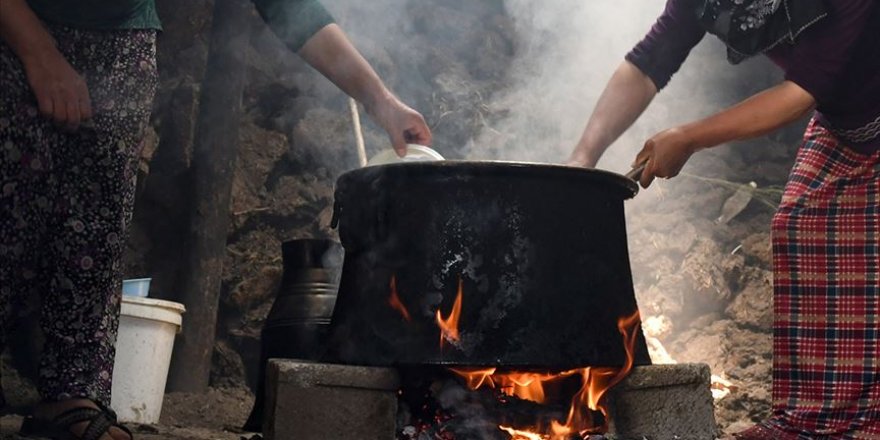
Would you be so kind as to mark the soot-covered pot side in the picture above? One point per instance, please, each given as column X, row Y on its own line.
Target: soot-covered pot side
column 538, row 253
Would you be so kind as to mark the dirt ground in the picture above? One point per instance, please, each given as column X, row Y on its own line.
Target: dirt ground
column 215, row 415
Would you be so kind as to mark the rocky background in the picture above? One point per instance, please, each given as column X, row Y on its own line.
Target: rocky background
column 296, row 138
column 704, row 284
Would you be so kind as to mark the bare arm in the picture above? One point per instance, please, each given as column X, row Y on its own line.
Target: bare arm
column 756, row 116
column 23, row 31
column 331, row 53
column 624, row 99
column 60, row 91
column 667, row 152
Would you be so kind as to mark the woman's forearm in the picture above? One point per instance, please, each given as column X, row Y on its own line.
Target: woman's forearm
column 625, row 98
column 60, row 91
column 666, row 153
column 330, row 52
column 754, row 117
column 23, row 32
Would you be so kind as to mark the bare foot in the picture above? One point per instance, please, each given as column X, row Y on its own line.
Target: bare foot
column 50, row 410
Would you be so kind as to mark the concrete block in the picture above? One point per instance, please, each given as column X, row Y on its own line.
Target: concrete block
column 312, row 401
column 664, row 402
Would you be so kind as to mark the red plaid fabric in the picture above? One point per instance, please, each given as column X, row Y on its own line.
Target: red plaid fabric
column 826, row 341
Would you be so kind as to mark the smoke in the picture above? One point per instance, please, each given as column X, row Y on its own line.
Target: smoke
column 568, row 49
column 564, row 52
column 531, row 101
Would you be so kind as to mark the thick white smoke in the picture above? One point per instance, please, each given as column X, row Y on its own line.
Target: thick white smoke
column 568, row 50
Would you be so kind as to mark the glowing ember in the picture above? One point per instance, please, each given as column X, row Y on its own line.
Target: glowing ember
column 449, row 326
column 530, row 386
column 521, row 435
column 394, row 300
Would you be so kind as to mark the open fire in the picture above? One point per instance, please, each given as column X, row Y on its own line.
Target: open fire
column 449, row 326
column 586, row 414
column 394, row 300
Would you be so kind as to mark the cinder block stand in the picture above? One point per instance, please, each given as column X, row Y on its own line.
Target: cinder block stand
column 664, row 402
column 311, row 401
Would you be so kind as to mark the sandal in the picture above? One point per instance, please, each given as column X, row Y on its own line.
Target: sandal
column 100, row 420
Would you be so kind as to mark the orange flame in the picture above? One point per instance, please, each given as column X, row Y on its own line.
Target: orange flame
column 394, row 300
column 476, row 378
column 530, row 386
column 449, row 326
column 521, row 435
column 597, row 381
column 524, row 385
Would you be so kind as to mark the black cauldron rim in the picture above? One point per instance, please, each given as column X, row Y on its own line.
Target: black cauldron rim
column 626, row 187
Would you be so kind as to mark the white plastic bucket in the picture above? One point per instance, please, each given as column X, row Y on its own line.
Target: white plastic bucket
column 143, row 353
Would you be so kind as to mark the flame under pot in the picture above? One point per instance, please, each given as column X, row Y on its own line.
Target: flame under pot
column 527, row 262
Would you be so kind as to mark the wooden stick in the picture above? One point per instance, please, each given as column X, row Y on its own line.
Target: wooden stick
column 215, row 152
column 358, row 132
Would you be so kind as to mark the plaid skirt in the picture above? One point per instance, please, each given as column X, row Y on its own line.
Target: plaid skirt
column 826, row 332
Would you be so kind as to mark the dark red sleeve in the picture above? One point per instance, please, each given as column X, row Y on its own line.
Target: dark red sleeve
column 669, row 42
column 822, row 53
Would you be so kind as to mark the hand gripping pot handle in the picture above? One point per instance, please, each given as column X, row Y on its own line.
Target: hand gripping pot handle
column 636, row 173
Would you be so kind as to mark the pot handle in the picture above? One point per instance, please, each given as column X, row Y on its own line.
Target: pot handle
column 636, row 173
column 337, row 209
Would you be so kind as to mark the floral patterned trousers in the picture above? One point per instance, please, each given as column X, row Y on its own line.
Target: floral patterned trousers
column 65, row 204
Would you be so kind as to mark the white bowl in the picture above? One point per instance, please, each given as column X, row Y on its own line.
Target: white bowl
column 139, row 287
column 414, row 153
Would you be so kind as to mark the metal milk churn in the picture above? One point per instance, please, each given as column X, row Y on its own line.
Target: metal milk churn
column 297, row 324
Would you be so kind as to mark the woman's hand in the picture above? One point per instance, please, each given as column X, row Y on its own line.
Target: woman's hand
column 667, row 152
column 403, row 124
column 330, row 52
column 62, row 94
column 664, row 155
column 60, row 91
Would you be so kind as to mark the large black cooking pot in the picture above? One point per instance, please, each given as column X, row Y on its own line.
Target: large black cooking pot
column 540, row 252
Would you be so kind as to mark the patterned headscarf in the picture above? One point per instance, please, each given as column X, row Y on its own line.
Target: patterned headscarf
column 752, row 27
